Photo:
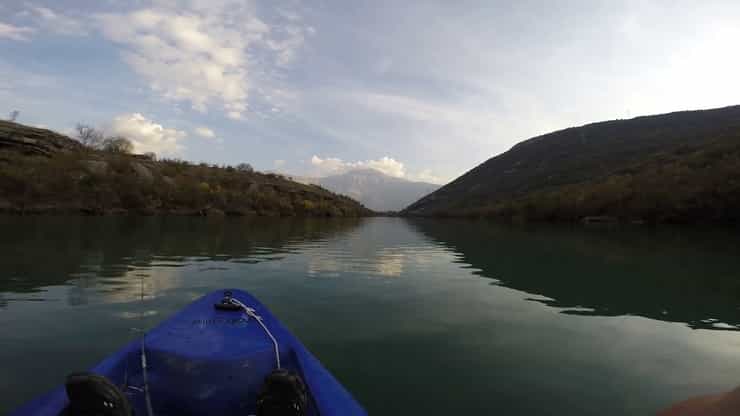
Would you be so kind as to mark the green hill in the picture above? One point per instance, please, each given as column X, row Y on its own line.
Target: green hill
column 677, row 167
column 44, row 172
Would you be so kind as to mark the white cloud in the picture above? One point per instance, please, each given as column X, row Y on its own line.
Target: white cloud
column 146, row 135
column 202, row 52
column 279, row 163
column 427, row 176
column 55, row 22
column 455, row 133
column 332, row 166
column 11, row 32
column 328, row 166
column 205, row 132
column 387, row 165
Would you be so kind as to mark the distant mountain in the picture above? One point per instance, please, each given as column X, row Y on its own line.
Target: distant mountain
column 374, row 189
column 670, row 167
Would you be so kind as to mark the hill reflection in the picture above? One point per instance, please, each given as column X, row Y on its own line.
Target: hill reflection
column 688, row 276
column 81, row 251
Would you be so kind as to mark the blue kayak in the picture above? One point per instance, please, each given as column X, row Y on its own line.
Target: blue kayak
column 214, row 357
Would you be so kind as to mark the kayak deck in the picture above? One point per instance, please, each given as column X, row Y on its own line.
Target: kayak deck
column 205, row 360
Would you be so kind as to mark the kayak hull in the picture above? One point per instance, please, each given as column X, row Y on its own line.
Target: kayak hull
column 204, row 360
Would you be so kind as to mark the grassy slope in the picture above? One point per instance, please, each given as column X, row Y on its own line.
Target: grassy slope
column 63, row 177
column 645, row 168
column 699, row 184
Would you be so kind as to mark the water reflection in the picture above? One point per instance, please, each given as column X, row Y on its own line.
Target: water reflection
column 670, row 275
column 379, row 248
column 677, row 275
column 112, row 257
column 460, row 310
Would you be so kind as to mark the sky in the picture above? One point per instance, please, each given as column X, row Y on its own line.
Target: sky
column 423, row 90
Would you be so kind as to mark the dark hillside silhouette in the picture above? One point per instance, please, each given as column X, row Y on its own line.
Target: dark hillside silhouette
column 671, row 167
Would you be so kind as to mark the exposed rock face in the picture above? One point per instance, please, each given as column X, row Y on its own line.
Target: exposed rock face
column 169, row 181
column 96, row 167
column 142, row 172
column 31, row 140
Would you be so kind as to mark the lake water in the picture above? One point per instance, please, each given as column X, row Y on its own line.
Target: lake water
column 413, row 316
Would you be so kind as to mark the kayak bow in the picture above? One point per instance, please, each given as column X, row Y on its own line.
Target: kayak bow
column 211, row 358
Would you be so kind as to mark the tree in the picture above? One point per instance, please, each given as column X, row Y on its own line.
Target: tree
column 89, row 136
column 244, row 167
column 14, row 115
column 117, row 144
column 150, row 155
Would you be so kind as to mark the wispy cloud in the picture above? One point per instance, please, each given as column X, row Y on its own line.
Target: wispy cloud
column 287, row 45
column 205, row 132
column 17, row 33
column 55, row 22
column 202, row 53
column 375, row 121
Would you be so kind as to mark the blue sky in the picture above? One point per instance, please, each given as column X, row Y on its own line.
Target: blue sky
column 424, row 90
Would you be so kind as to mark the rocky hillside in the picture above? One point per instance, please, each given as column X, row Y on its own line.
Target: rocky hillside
column 45, row 172
column 34, row 141
column 670, row 167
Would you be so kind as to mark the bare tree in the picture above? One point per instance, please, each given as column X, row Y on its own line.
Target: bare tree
column 244, row 167
column 89, row 136
column 14, row 115
column 117, row 144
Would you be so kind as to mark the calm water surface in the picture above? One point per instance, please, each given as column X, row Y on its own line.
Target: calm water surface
column 414, row 317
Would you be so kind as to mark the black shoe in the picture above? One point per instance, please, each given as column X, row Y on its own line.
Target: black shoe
column 282, row 394
column 94, row 395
